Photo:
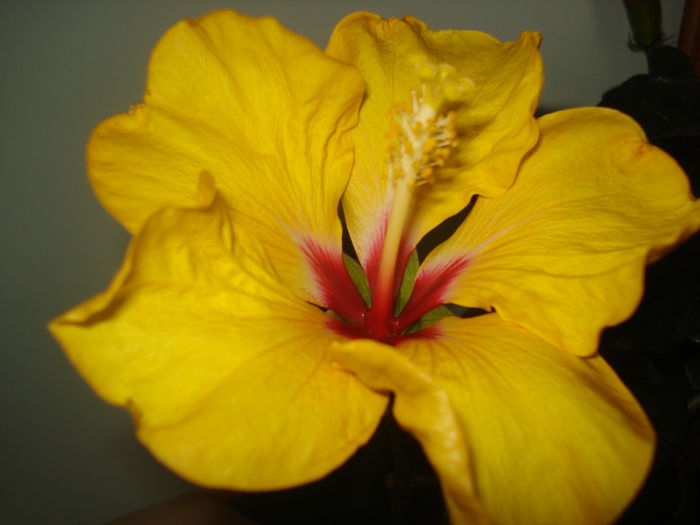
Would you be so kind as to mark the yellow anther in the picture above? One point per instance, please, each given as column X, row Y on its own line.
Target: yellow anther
column 452, row 117
column 429, row 145
column 446, row 71
column 427, row 71
column 415, row 59
column 393, row 131
column 427, row 174
column 452, row 90
column 442, row 154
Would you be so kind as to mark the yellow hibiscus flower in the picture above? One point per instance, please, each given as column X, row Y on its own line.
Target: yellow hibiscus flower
column 235, row 335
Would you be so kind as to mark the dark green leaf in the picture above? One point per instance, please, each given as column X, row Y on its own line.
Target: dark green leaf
column 409, row 278
column 334, row 315
column 357, row 274
column 432, row 317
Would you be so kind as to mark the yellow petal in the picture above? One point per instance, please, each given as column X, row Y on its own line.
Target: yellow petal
column 562, row 253
column 227, row 375
column 256, row 107
column 424, row 409
column 495, row 126
column 554, row 438
column 551, row 437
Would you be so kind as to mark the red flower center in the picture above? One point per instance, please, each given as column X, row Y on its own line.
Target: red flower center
column 355, row 319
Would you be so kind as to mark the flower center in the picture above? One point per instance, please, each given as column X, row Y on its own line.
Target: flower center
column 423, row 134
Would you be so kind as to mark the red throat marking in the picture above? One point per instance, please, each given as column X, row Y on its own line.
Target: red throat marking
column 339, row 294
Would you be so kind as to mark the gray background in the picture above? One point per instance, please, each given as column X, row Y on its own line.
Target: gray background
column 68, row 458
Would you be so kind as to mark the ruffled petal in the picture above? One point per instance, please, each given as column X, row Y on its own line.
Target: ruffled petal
column 226, row 374
column 495, row 127
column 562, row 253
column 259, row 109
column 551, row 437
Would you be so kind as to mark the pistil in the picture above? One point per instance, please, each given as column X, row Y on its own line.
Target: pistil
column 423, row 135
column 379, row 317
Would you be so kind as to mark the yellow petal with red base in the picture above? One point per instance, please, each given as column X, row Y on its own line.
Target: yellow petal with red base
column 226, row 374
column 550, row 437
column 255, row 106
column 562, row 253
column 495, row 125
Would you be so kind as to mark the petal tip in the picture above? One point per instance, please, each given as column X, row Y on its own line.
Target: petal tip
column 535, row 37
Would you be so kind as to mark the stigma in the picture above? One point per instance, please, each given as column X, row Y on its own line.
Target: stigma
column 422, row 137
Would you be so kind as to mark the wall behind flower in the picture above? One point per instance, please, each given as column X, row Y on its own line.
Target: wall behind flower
column 67, row 457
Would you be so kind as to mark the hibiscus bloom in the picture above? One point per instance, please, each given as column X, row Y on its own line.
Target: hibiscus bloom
column 224, row 329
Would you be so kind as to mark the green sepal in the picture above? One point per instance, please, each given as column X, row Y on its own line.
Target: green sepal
column 409, row 279
column 432, row 317
column 359, row 279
